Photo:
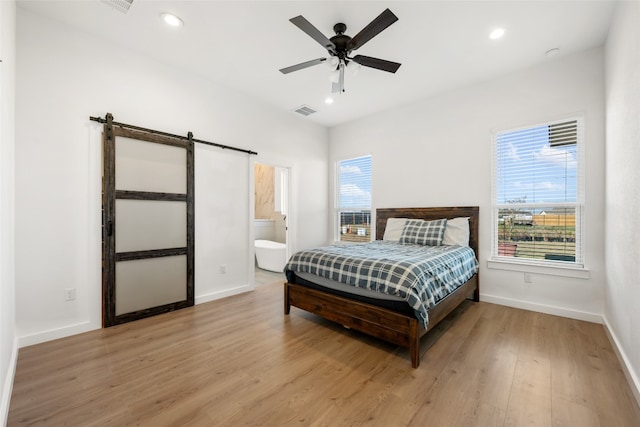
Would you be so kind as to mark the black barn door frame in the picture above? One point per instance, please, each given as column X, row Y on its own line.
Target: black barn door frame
column 110, row 257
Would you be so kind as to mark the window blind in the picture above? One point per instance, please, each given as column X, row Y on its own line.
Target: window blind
column 354, row 199
column 538, row 192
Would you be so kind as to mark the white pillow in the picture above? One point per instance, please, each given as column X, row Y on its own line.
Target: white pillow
column 457, row 232
column 393, row 230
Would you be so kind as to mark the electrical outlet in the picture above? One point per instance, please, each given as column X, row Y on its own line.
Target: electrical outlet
column 527, row 277
column 69, row 294
column 223, row 269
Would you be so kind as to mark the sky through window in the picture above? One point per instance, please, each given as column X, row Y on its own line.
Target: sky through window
column 532, row 170
column 355, row 183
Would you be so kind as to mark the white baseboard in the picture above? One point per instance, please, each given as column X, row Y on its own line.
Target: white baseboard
column 7, row 387
column 222, row 294
column 80, row 328
column 629, row 373
column 543, row 308
column 54, row 334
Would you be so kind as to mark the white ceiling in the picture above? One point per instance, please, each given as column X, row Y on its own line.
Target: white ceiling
column 442, row 45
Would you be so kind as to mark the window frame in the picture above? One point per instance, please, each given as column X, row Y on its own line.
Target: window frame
column 575, row 268
column 337, row 205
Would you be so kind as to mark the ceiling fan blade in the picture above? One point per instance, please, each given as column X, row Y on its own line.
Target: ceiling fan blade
column 379, row 64
column 306, row 26
column 375, row 27
column 302, row 65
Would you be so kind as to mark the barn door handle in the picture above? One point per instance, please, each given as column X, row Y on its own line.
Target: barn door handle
column 110, row 229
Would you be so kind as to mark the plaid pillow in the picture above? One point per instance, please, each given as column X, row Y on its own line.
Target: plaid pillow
column 420, row 232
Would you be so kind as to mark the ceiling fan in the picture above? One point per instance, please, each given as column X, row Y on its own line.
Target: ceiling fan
column 341, row 45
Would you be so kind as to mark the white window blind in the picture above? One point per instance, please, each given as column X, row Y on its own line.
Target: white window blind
column 353, row 213
column 538, row 193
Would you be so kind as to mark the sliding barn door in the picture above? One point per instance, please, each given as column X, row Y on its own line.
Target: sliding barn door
column 148, row 224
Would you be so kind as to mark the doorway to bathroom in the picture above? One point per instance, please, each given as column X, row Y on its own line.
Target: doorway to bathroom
column 270, row 222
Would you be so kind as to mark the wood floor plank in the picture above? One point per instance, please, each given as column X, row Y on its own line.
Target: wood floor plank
column 530, row 397
column 480, row 414
column 573, row 398
column 241, row 361
column 567, row 413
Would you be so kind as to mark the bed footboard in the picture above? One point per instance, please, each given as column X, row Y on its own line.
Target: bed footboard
column 378, row 322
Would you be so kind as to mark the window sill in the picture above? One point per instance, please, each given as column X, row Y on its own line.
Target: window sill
column 528, row 267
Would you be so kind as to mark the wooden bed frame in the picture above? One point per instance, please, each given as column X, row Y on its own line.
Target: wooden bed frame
column 383, row 323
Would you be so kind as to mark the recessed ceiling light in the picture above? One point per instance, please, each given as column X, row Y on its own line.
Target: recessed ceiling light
column 552, row 52
column 496, row 34
column 329, row 100
column 171, row 19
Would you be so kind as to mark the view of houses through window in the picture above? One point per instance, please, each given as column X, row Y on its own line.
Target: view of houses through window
column 354, row 200
column 537, row 192
column 549, row 234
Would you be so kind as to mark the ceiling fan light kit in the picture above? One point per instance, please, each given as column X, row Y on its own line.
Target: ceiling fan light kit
column 334, row 76
column 340, row 46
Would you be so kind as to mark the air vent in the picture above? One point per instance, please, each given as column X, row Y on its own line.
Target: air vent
column 304, row 110
column 121, row 5
column 565, row 133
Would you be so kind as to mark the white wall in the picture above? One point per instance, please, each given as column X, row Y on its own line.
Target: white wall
column 65, row 76
column 437, row 152
column 622, row 204
column 222, row 225
column 8, row 345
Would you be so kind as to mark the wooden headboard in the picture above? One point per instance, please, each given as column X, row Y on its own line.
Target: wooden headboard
column 429, row 214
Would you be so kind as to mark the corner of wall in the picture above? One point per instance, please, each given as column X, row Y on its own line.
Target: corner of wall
column 7, row 387
column 627, row 367
column 622, row 62
column 8, row 341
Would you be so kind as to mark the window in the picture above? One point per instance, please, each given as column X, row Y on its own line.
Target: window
column 353, row 213
column 538, row 194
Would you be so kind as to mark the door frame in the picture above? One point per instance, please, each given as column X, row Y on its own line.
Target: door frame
column 110, row 195
column 289, row 222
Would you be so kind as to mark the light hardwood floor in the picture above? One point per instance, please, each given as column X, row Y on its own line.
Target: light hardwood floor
column 266, row 277
column 241, row 361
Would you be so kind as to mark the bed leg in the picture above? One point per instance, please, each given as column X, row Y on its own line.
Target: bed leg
column 414, row 344
column 476, row 291
column 287, row 306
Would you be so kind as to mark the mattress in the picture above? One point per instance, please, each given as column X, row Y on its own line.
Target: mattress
column 377, row 299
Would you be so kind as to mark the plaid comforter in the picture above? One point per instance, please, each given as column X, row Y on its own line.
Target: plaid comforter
column 421, row 275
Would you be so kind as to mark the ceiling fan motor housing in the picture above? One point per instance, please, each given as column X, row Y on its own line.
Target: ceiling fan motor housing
column 340, row 40
column 339, row 28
